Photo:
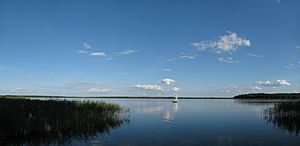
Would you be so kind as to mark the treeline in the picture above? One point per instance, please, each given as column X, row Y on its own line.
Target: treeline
column 269, row 96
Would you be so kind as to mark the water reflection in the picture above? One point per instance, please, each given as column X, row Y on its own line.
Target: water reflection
column 25, row 122
column 285, row 115
column 166, row 110
column 257, row 106
column 257, row 102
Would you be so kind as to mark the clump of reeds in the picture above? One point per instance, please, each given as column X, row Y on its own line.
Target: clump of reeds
column 285, row 115
column 35, row 122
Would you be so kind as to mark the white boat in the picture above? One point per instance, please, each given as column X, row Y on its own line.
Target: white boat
column 175, row 100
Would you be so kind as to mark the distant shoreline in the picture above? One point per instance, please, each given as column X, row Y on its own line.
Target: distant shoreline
column 242, row 96
column 116, row 97
column 268, row 96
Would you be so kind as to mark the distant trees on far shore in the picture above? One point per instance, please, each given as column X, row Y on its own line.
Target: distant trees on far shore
column 269, row 96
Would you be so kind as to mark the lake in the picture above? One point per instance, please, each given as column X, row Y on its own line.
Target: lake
column 194, row 122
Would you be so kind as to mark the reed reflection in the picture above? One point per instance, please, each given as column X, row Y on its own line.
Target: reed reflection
column 285, row 115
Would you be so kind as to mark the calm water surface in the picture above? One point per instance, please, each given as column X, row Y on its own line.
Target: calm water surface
column 194, row 122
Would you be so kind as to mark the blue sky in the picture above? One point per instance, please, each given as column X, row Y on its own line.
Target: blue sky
column 149, row 48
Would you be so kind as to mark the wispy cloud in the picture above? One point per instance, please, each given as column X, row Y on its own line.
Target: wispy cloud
column 166, row 69
column 98, row 54
column 168, row 81
column 297, row 47
column 184, row 56
column 256, row 88
column 4, row 67
column 227, row 43
column 276, row 83
column 227, row 60
column 74, row 88
column 86, row 45
column 99, row 90
column 172, row 59
column 175, row 89
column 83, row 52
column 127, row 52
column 273, row 1
column 187, row 57
column 154, row 87
column 293, row 65
column 9, row 68
column 254, row 55
column 241, row 89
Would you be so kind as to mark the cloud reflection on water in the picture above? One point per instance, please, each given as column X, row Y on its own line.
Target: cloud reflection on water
column 165, row 112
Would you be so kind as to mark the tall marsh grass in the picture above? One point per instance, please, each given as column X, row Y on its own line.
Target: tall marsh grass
column 285, row 115
column 36, row 122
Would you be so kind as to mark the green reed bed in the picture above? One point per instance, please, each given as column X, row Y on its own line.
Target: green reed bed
column 25, row 121
column 285, row 115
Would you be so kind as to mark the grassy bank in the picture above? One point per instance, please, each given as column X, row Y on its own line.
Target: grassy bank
column 35, row 122
column 269, row 96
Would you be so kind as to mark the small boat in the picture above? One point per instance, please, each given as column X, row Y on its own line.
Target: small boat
column 175, row 100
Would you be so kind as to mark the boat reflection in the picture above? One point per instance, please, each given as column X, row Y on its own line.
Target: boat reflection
column 160, row 109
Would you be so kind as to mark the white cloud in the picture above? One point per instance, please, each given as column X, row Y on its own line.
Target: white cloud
column 273, row 1
column 283, row 82
column 100, row 54
column 168, row 81
column 172, row 59
column 276, row 83
column 227, row 43
column 297, row 47
column 256, row 88
column 127, row 52
column 99, row 90
column 166, row 70
column 150, row 87
column 254, row 55
column 227, row 60
column 83, row 52
column 187, row 57
column 175, row 89
column 86, row 45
